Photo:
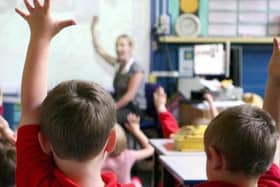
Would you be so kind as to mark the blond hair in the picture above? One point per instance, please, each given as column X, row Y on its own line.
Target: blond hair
column 127, row 37
column 121, row 143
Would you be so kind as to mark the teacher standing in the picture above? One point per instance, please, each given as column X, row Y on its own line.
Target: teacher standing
column 129, row 77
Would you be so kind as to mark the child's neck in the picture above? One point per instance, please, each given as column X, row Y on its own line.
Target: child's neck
column 85, row 174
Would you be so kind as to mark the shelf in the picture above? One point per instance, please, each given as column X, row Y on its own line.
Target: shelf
column 233, row 40
column 165, row 73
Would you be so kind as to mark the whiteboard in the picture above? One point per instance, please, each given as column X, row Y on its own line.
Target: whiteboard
column 72, row 55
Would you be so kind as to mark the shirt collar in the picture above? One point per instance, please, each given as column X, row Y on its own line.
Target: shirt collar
column 127, row 66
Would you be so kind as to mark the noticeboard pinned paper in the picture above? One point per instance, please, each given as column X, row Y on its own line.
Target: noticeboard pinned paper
column 85, row 9
column 209, row 59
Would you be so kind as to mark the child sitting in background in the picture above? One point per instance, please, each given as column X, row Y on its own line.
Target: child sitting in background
column 6, row 132
column 241, row 142
column 7, row 163
column 168, row 123
column 121, row 160
column 7, row 155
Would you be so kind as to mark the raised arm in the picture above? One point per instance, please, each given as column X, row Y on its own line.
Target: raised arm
column 34, row 79
column 212, row 108
column 133, row 127
column 168, row 123
column 107, row 57
column 133, row 85
column 272, row 96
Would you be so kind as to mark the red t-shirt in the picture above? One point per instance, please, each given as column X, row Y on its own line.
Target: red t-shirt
column 36, row 169
column 168, row 124
column 1, row 110
column 270, row 179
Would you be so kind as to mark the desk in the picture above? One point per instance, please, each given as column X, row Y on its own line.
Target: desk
column 165, row 147
column 188, row 170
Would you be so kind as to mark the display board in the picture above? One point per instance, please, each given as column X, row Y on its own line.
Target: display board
column 72, row 54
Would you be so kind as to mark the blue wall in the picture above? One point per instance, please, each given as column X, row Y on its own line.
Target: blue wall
column 255, row 60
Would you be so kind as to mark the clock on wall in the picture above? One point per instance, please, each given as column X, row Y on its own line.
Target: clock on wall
column 188, row 25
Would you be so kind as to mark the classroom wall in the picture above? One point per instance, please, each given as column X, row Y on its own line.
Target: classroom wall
column 72, row 54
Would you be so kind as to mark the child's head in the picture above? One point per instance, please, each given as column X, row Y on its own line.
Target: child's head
column 7, row 163
column 240, row 140
column 121, row 143
column 77, row 118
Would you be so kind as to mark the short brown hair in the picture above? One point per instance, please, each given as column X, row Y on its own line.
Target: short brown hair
column 7, row 163
column 77, row 117
column 121, row 143
column 246, row 136
column 129, row 39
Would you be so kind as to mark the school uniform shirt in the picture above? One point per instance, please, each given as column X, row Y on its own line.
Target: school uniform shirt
column 270, row 179
column 168, row 123
column 36, row 169
column 1, row 110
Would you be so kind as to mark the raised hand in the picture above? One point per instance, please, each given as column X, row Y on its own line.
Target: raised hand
column 160, row 99
column 6, row 132
column 94, row 22
column 40, row 20
column 133, row 124
column 274, row 63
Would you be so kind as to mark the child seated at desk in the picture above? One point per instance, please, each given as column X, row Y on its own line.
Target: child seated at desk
column 7, row 155
column 168, row 123
column 241, row 142
column 121, row 160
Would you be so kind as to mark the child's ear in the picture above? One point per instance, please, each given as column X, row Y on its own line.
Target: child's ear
column 111, row 141
column 44, row 143
column 215, row 158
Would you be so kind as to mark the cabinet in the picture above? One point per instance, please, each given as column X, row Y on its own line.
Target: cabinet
column 256, row 53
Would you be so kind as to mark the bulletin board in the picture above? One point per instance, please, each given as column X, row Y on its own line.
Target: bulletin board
column 72, row 55
column 256, row 18
column 240, row 17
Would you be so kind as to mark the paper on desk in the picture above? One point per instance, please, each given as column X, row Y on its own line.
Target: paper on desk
column 212, row 85
column 223, row 5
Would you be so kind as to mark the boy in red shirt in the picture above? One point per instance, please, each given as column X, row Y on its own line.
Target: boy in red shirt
column 76, row 118
column 240, row 143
